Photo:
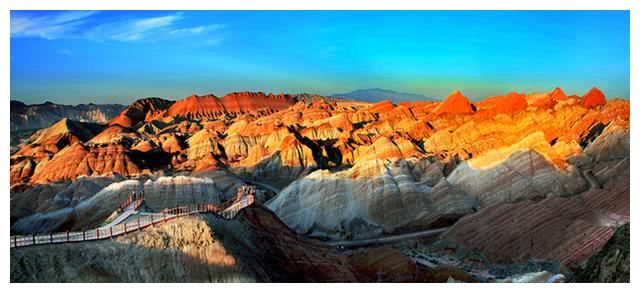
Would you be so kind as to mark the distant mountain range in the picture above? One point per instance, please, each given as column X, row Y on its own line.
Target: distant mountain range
column 36, row 116
column 377, row 95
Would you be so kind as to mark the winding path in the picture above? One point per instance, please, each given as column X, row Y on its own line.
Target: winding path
column 387, row 239
column 262, row 185
column 121, row 225
column 129, row 210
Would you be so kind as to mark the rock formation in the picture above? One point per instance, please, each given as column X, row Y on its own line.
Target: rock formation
column 350, row 169
column 546, row 100
column 50, row 140
column 210, row 106
column 254, row 247
column 568, row 228
column 512, row 102
column 37, row 116
column 79, row 209
column 78, row 159
column 612, row 263
column 44, row 144
column 593, row 98
column 479, row 162
column 455, row 103
column 141, row 110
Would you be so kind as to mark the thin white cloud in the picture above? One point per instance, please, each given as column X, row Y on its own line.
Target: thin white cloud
column 156, row 22
column 197, row 30
column 192, row 30
column 153, row 28
column 48, row 27
column 79, row 25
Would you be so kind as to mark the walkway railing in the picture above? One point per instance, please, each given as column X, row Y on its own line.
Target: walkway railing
column 227, row 211
column 125, row 203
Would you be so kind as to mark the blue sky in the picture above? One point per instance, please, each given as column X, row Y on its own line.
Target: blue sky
column 117, row 56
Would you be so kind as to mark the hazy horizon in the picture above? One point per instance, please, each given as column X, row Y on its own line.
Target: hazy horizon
column 133, row 99
column 115, row 57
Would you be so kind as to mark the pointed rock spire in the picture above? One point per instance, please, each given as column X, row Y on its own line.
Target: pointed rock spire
column 557, row 94
column 593, row 98
column 455, row 103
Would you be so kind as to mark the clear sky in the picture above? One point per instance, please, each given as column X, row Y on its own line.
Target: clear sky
column 117, row 56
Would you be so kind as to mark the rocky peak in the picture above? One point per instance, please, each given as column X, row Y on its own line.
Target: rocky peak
column 139, row 110
column 242, row 102
column 512, row 102
column 210, row 106
column 455, row 103
column 557, row 94
column 593, row 98
column 382, row 107
column 197, row 107
column 83, row 131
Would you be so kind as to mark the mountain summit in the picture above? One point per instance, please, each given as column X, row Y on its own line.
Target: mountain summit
column 455, row 103
column 210, row 106
column 593, row 98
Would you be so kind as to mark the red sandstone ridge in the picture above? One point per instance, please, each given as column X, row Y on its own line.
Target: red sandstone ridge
column 546, row 100
column 78, row 159
column 197, row 107
column 140, row 110
column 593, row 98
column 456, row 103
column 249, row 101
column 558, row 95
column 381, row 107
column 210, row 106
column 510, row 103
column 49, row 141
column 244, row 134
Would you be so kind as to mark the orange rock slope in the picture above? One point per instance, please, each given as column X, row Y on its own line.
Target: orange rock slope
column 275, row 136
column 354, row 170
column 593, row 98
column 456, row 103
column 210, row 106
column 140, row 110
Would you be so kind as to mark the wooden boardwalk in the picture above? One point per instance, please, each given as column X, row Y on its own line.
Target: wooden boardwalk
column 120, row 226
